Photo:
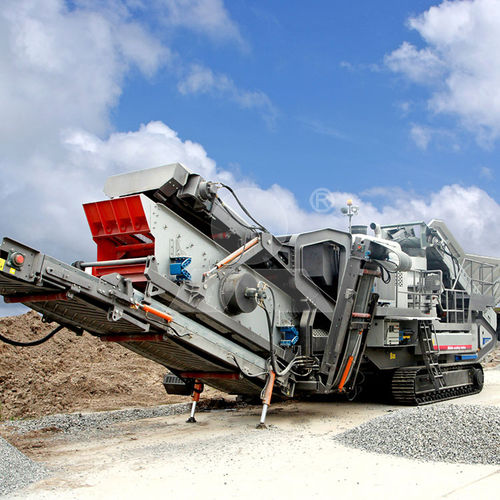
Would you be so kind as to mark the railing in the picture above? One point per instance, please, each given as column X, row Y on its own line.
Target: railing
column 455, row 304
column 420, row 289
column 422, row 286
column 481, row 276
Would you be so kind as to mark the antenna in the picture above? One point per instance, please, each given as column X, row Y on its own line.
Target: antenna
column 350, row 210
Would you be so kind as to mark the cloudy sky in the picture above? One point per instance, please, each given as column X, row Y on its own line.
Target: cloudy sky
column 395, row 104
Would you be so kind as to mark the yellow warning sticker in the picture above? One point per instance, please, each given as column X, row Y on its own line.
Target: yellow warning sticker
column 12, row 271
column 2, row 263
column 392, row 355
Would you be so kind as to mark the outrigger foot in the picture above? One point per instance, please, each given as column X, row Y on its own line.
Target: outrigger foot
column 197, row 390
column 266, row 400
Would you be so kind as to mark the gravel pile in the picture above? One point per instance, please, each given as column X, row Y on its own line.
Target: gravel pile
column 445, row 433
column 17, row 470
column 92, row 423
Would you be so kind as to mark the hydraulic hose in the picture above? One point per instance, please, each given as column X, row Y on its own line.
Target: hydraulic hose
column 34, row 342
column 270, row 323
column 300, row 361
column 245, row 211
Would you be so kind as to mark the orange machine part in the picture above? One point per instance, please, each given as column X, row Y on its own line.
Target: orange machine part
column 121, row 231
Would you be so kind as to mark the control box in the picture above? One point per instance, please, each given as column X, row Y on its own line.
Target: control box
column 391, row 333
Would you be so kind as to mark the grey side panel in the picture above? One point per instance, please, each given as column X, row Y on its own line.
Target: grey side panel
column 142, row 181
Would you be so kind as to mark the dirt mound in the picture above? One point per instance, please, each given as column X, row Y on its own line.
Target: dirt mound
column 493, row 359
column 70, row 373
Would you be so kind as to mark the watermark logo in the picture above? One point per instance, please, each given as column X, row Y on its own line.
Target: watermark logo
column 321, row 200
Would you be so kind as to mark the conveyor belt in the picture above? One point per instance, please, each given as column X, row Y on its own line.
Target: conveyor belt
column 178, row 358
column 9, row 285
column 88, row 314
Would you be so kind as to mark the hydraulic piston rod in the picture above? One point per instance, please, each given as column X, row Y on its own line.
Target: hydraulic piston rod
column 116, row 262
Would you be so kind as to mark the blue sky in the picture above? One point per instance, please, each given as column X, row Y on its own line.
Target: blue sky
column 395, row 104
column 339, row 118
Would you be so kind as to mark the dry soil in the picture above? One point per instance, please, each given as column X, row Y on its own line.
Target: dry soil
column 70, row 373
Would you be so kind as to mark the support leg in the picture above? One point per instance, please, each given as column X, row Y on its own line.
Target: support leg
column 266, row 400
column 197, row 390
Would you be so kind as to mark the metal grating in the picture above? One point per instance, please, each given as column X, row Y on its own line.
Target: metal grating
column 319, row 333
column 173, row 356
column 82, row 314
column 10, row 286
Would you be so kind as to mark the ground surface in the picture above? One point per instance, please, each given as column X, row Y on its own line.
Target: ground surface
column 224, row 456
column 70, row 373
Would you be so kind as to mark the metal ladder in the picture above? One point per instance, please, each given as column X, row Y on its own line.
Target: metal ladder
column 429, row 355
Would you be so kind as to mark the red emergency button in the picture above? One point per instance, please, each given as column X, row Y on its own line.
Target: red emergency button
column 18, row 259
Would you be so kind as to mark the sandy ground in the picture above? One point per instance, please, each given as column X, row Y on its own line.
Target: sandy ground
column 224, row 456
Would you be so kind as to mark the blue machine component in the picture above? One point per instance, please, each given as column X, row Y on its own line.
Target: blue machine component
column 290, row 336
column 465, row 357
column 178, row 268
column 405, row 336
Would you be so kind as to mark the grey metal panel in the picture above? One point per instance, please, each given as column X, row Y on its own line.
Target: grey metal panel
column 481, row 302
column 141, row 181
column 402, row 313
column 389, row 358
column 306, row 286
column 177, row 238
column 450, row 239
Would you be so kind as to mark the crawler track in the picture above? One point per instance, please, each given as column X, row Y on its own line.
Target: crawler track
column 407, row 391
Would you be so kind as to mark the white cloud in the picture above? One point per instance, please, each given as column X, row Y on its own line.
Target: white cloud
column 62, row 73
column 323, row 129
column 467, row 210
column 209, row 17
column 486, row 173
column 64, row 68
column 421, row 66
column 346, row 65
column 421, row 136
column 202, row 80
column 61, row 68
column 153, row 144
column 460, row 62
column 404, row 106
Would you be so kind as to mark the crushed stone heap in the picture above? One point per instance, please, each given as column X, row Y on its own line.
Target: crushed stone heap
column 16, row 469
column 445, row 433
